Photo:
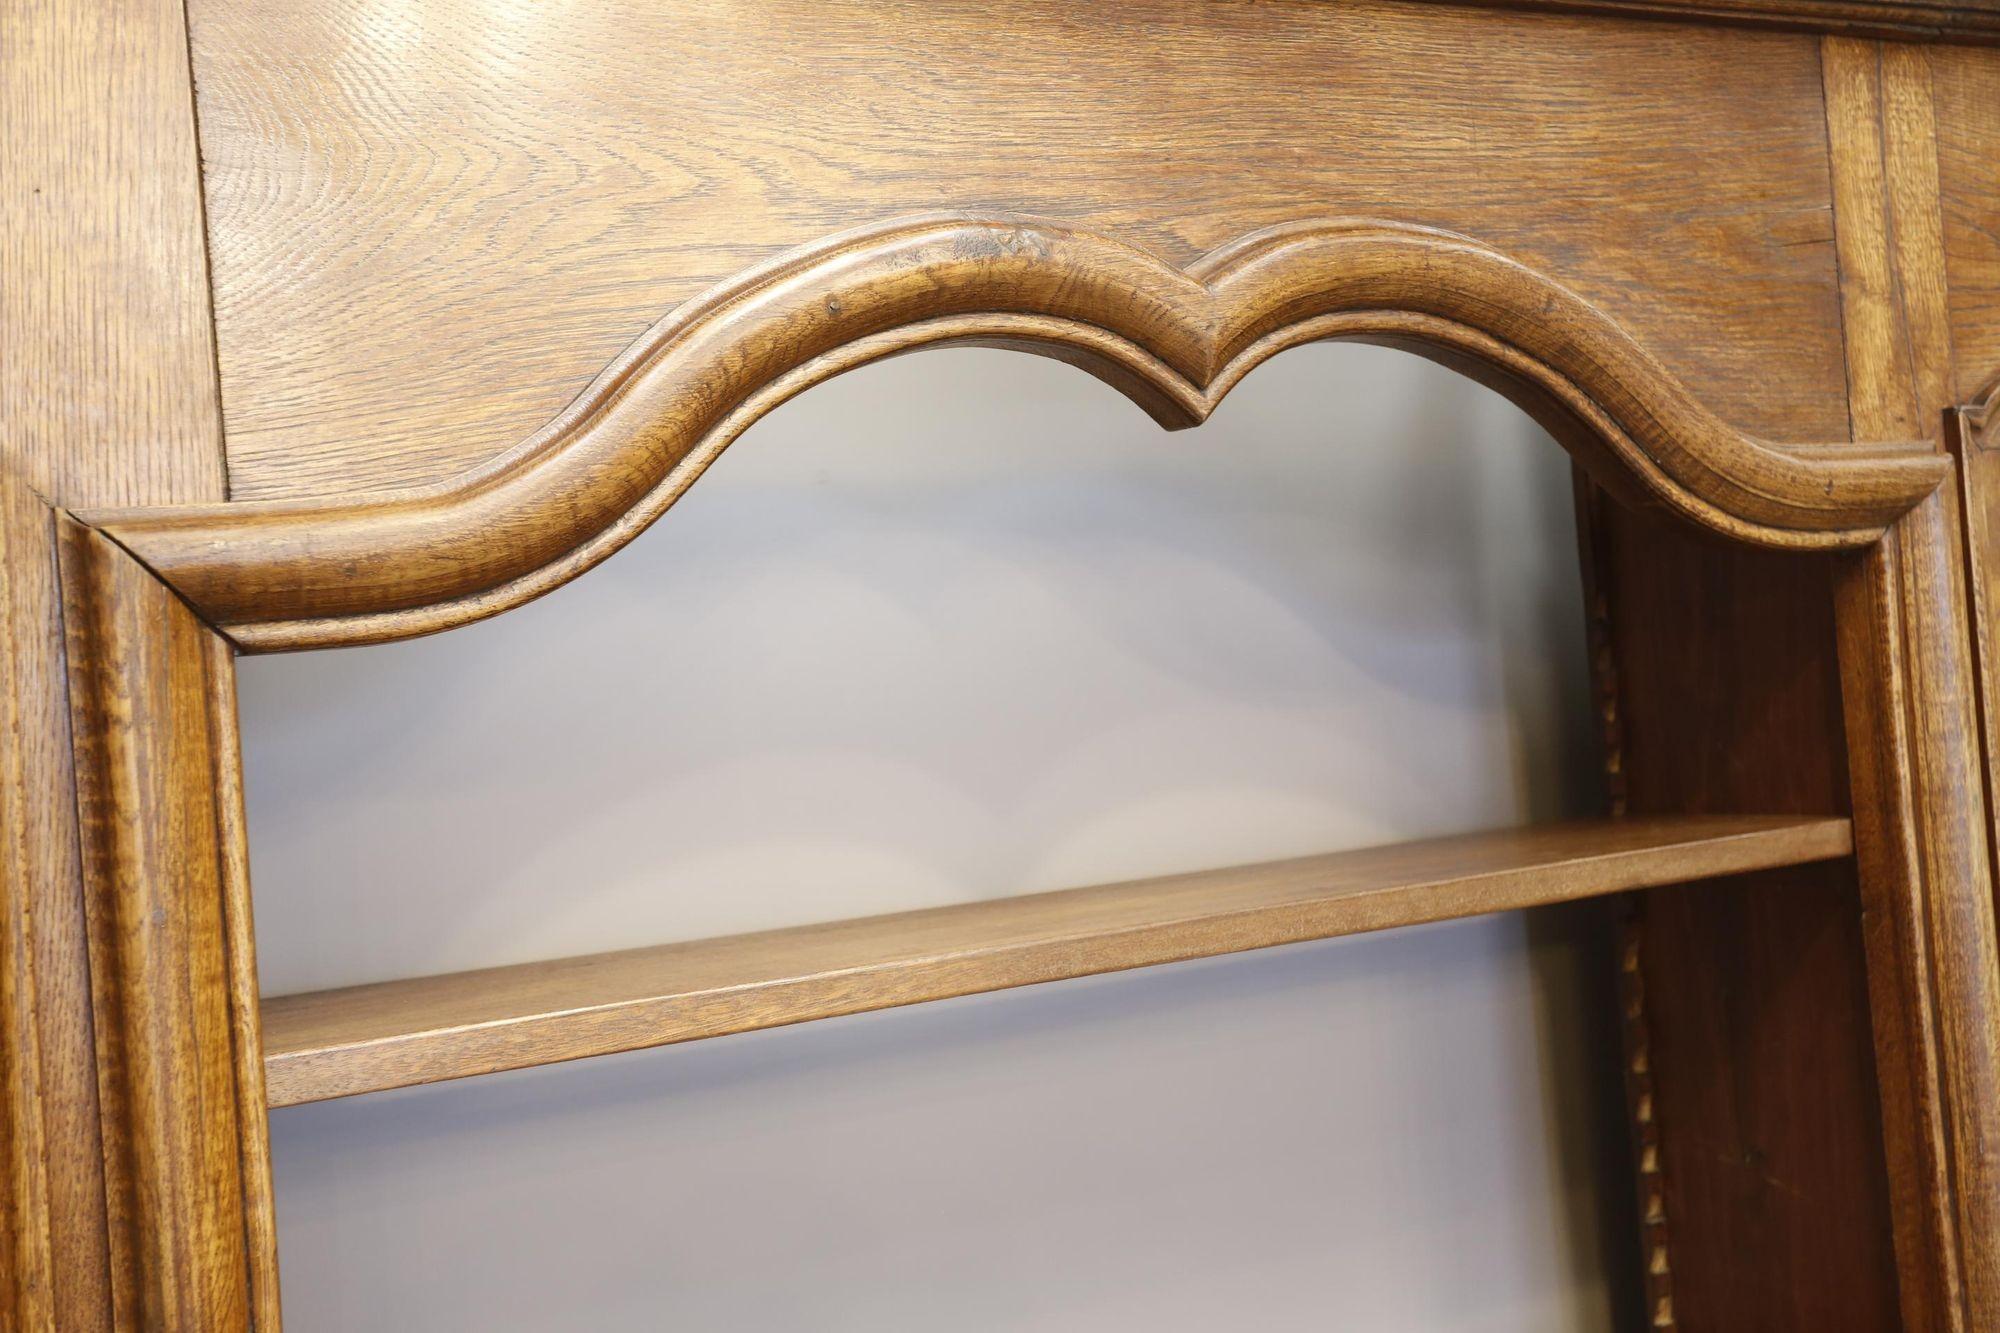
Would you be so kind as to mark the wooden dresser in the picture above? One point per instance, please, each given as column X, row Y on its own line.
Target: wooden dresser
column 331, row 322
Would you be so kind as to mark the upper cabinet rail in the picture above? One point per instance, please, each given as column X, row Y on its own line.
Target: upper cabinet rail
column 364, row 568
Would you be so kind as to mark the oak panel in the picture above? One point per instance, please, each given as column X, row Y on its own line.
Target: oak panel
column 107, row 384
column 432, row 225
column 108, row 395
column 1889, row 232
column 398, row 1033
column 1966, row 85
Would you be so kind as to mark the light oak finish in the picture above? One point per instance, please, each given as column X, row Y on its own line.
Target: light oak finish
column 52, row 1223
column 158, row 872
column 115, row 1211
column 1740, row 275
column 239, row 953
column 108, row 386
column 1920, row 805
column 1784, row 1184
column 398, row 1033
column 1890, row 235
column 1966, row 90
column 1927, row 894
column 434, row 224
column 1973, row 433
column 283, row 575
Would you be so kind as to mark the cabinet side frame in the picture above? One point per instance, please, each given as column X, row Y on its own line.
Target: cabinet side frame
column 1904, row 616
column 173, row 976
column 134, row 1183
column 1927, row 912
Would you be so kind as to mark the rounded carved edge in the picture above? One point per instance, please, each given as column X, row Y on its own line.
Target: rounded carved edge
column 1979, row 420
column 395, row 564
column 1896, row 20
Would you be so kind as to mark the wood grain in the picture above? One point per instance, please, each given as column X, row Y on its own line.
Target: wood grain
column 108, row 395
column 1920, row 805
column 1966, row 89
column 108, row 384
column 1927, row 890
column 394, row 1034
column 297, row 574
column 1765, row 1195
column 239, row 949
column 434, row 224
column 154, row 831
column 1966, row 86
column 1890, row 233
column 54, row 1255
column 1701, row 256
column 1970, row 433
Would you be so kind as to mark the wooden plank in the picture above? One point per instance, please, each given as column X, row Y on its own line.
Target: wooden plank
column 155, row 828
column 1890, row 235
column 1973, row 435
column 108, row 395
column 1920, row 805
column 399, row 1033
column 1927, row 893
column 1764, row 1197
column 54, row 1255
column 1966, row 89
column 288, row 574
column 108, row 385
column 432, row 231
column 1966, row 85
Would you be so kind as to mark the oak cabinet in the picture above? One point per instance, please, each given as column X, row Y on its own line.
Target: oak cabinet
column 343, row 321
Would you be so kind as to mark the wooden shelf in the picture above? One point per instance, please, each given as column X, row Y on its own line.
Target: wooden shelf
column 400, row 1033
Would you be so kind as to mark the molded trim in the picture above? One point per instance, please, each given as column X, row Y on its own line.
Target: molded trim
column 1970, row 22
column 1978, row 421
column 317, row 573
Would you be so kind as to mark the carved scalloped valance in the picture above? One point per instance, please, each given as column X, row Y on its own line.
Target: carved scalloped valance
column 355, row 569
